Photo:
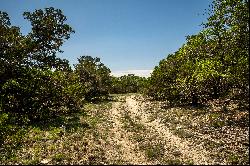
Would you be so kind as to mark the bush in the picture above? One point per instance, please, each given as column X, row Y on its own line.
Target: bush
column 210, row 65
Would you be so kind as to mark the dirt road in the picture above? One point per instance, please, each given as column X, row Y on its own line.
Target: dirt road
column 131, row 129
column 137, row 138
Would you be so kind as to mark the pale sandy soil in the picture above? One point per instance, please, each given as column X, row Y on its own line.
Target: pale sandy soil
column 131, row 129
column 129, row 151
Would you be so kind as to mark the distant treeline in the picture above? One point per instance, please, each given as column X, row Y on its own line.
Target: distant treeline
column 128, row 84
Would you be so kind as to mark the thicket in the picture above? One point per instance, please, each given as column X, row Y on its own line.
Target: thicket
column 127, row 84
column 212, row 64
column 37, row 87
column 30, row 72
column 35, row 84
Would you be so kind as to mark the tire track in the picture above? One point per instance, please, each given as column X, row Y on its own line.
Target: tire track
column 197, row 154
column 127, row 152
column 121, row 148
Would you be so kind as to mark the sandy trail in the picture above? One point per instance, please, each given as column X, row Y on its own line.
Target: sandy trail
column 198, row 155
column 130, row 152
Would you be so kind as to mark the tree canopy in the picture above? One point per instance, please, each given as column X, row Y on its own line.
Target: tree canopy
column 211, row 64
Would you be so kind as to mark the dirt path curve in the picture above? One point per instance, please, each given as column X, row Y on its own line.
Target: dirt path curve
column 129, row 151
column 198, row 155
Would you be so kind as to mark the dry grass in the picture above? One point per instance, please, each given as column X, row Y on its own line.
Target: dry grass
column 221, row 130
column 132, row 130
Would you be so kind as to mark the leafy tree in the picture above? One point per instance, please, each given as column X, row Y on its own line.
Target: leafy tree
column 128, row 84
column 212, row 64
column 12, row 52
column 228, row 26
column 47, row 36
column 28, row 82
column 94, row 75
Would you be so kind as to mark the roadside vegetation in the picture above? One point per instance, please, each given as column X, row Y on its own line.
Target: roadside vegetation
column 193, row 109
column 213, row 64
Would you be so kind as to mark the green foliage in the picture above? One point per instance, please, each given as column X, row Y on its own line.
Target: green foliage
column 33, row 81
column 36, row 84
column 37, row 93
column 212, row 64
column 127, row 84
column 47, row 36
column 94, row 76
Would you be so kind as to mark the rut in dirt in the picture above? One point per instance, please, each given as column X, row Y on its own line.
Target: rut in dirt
column 147, row 141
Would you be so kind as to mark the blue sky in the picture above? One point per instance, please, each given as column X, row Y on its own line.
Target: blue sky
column 125, row 34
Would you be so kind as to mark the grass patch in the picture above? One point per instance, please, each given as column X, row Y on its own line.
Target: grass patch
column 63, row 139
column 155, row 152
column 138, row 137
column 219, row 130
column 130, row 125
column 31, row 162
column 59, row 157
column 234, row 159
column 182, row 133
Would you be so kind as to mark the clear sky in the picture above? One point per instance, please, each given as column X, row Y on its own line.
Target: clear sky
column 125, row 34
